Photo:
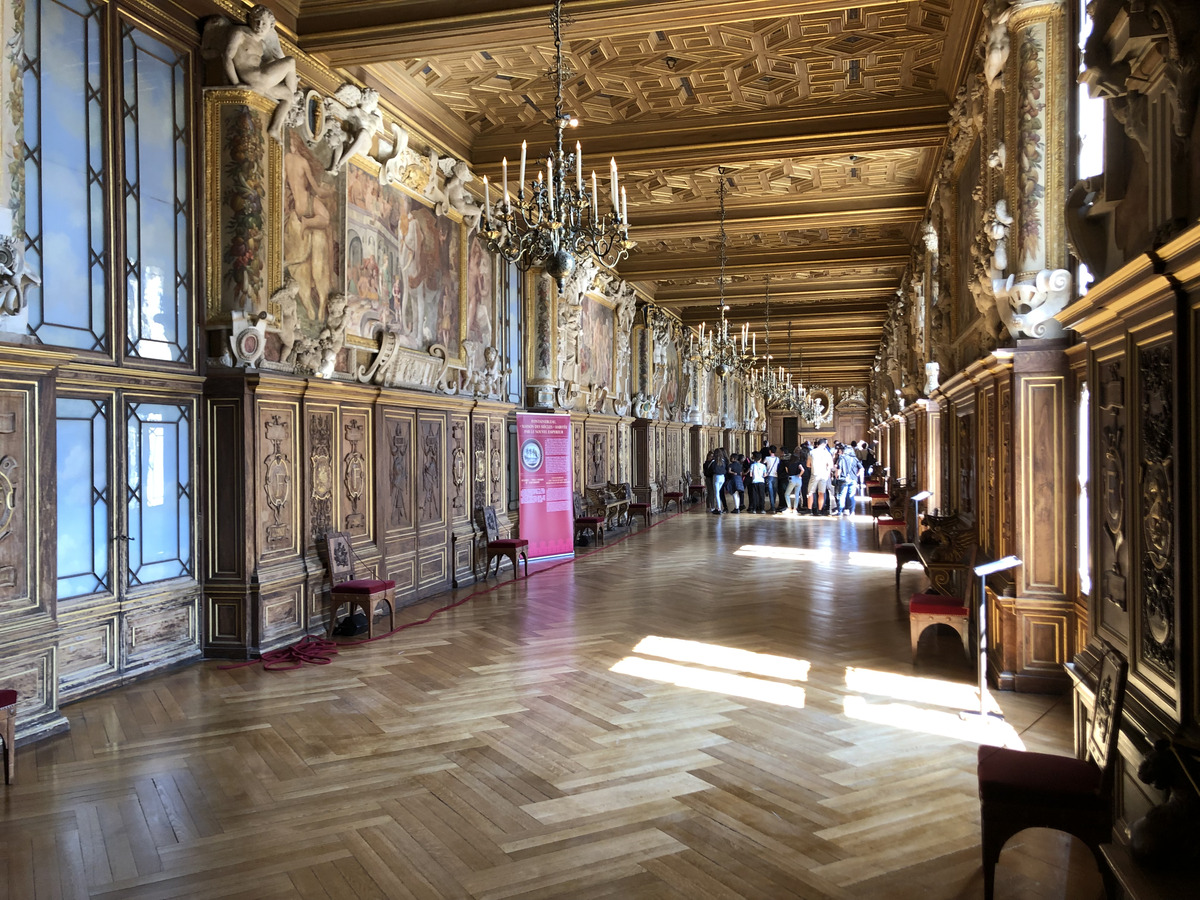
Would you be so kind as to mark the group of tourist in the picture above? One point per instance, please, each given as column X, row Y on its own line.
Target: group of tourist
column 810, row 479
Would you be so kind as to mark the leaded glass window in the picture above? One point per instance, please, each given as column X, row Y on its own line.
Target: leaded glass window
column 159, row 492
column 154, row 112
column 84, row 498
column 64, row 165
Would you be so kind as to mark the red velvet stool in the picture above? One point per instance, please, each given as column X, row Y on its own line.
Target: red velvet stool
column 938, row 609
column 8, row 732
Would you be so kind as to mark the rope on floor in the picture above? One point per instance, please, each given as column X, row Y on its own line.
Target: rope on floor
column 319, row 651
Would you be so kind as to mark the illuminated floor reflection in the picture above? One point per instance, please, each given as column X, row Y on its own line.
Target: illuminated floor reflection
column 725, row 658
column 715, row 682
column 794, row 554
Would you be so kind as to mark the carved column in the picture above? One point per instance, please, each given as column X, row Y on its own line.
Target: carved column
column 1038, row 90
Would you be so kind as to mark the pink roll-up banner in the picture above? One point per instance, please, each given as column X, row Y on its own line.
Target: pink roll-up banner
column 547, row 511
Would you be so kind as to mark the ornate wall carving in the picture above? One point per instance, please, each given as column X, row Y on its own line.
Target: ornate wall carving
column 321, row 473
column 431, row 452
column 400, row 473
column 1156, row 506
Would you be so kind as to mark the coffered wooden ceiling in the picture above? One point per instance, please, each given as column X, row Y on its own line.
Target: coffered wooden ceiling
column 830, row 121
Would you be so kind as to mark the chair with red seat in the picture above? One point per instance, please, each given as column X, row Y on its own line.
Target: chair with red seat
column 927, row 610
column 498, row 547
column 8, row 733
column 696, row 491
column 675, row 497
column 585, row 523
column 363, row 593
column 636, row 507
column 892, row 521
column 1020, row 789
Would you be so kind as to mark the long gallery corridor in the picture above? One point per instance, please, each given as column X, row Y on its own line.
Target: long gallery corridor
column 714, row 707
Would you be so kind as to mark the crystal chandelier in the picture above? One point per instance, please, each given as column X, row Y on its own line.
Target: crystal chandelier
column 718, row 350
column 553, row 222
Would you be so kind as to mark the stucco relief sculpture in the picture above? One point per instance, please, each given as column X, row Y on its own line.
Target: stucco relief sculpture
column 333, row 335
column 1029, row 309
column 252, row 58
column 997, row 45
column 15, row 275
column 286, row 320
column 453, row 194
column 353, row 118
column 249, row 340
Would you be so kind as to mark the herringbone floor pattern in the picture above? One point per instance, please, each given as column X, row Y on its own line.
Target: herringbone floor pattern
column 714, row 708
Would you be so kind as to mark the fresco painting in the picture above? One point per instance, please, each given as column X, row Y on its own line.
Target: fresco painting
column 481, row 301
column 313, row 225
column 402, row 266
column 596, row 343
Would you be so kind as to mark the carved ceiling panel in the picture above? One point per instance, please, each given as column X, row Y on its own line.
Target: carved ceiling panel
column 809, row 59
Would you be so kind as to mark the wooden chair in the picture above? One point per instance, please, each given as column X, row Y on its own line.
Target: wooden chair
column 926, row 610
column 676, row 497
column 497, row 547
column 636, row 507
column 1019, row 790
column 695, row 491
column 892, row 522
column 584, row 523
column 361, row 593
column 8, row 733
column 906, row 552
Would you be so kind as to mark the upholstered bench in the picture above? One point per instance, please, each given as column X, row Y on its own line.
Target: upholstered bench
column 925, row 610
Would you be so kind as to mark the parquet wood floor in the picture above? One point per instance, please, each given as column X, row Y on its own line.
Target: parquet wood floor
column 714, row 708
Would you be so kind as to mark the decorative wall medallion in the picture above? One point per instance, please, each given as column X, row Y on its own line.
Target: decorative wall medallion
column 459, row 466
column 399, row 481
column 320, row 427
column 1157, row 431
column 355, row 479
column 277, row 481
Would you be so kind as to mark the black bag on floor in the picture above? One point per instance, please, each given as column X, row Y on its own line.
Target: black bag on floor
column 352, row 625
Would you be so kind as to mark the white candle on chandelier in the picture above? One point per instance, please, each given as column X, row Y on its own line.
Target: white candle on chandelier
column 579, row 167
column 550, row 183
column 504, row 169
column 624, row 207
column 616, row 198
column 595, row 204
column 521, row 180
column 754, row 344
column 487, row 200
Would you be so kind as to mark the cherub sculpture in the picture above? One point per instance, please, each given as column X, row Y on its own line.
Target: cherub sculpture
column 253, row 58
column 286, row 320
column 454, row 194
column 393, row 161
column 354, row 119
column 333, row 335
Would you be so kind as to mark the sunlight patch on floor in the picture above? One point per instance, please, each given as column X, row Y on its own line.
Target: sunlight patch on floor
column 791, row 554
column 714, row 682
column 872, row 560
column 976, row 729
column 915, row 689
column 725, row 658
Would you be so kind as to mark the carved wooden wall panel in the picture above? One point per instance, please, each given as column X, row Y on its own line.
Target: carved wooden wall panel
column 357, row 483
column 278, row 511
column 398, row 497
column 227, row 627
column 155, row 632
column 459, row 484
column 433, row 477
column 479, row 462
column 988, row 472
column 32, row 672
column 282, row 611
column 967, row 467
column 323, row 466
column 1004, row 488
column 577, row 456
column 87, row 655
column 19, row 539
column 496, row 451
column 227, row 544
column 1154, row 659
column 1112, row 488
column 595, row 456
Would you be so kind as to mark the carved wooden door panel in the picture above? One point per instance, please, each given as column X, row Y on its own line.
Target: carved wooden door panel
column 433, row 480
column 398, row 497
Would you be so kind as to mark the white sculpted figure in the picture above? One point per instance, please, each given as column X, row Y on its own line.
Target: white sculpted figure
column 354, row 121
column 333, row 335
column 15, row 275
column 287, row 321
column 453, row 195
column 253, row 58
column 998, row 46
column 393, row 161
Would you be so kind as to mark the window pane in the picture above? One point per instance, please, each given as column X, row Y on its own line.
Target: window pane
column 156, row 198
column 64, row 217
column 160, row 488
column 83, row 497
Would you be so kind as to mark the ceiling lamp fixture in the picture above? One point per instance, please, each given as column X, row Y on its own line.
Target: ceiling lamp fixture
column 718, row 351
column 554, row 222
